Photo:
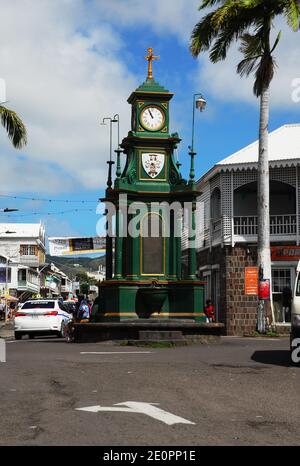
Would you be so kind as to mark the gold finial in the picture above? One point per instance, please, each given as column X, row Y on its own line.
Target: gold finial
column 150, row 57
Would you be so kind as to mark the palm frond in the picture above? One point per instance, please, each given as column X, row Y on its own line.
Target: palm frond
column 247, row 66
column 264, row 74
column 276, row 42
column 209, row 3
column 202, row 35
column 292, row 13
column 14, row 127
column 251, row 45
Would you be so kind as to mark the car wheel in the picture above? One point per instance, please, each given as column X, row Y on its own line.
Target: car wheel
column 31, row 337
column 18, row 336
column 60, row 334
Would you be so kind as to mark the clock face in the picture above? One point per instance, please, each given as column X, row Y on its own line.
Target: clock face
column 152, row 118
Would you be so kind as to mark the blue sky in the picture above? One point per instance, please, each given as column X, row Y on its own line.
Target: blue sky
column 71, row 63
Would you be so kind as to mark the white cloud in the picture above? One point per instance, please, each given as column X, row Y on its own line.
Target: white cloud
column 62, row 82
column 64, row 66
column 162, row 16
column 222, row 81
column 64, row 71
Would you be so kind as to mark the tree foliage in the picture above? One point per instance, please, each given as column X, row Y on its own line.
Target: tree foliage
column 14, row 127
column 247, row 21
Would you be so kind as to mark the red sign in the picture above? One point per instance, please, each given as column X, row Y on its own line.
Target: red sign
column 285, row 253
column 264, row 289
column 251, row 281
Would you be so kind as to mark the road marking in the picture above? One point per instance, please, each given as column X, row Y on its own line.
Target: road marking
column 140, row 408
column 116, row 352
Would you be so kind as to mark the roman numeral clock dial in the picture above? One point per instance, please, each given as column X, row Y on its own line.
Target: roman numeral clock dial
column 152, row 118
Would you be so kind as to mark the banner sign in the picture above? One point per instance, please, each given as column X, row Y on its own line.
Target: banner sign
column 285, row 253
column 251, row 281
column 75, row 246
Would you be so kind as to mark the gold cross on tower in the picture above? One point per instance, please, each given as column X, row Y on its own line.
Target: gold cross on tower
column 150, row 57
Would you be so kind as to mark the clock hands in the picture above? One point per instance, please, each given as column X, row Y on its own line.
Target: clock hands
column 150, row 113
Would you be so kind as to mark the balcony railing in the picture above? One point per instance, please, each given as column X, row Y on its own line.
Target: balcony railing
column 30, row 261
column 27, row 285
column 279, row 225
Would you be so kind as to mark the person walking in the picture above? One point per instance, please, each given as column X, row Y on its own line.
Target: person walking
column 84, row 311
column 209, row 311
column 286, row 304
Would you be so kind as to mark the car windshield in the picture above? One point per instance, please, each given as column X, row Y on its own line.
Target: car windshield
column 38, row 304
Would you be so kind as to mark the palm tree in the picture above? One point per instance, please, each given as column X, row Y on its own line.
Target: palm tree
column 14, row 126
column 251, row 23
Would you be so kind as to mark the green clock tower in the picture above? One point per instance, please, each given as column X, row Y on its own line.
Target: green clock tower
column 145, row 206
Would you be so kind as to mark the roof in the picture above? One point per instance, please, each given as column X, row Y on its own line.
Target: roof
column 23, row 230
column 284, row 144
column 150, row 86
column 284, row 150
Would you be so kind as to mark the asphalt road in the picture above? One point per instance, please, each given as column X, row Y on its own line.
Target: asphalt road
column 239, row 392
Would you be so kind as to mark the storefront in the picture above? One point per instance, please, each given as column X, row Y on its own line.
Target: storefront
column 284, row 263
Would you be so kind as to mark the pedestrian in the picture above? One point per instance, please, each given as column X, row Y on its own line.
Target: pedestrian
column 2, row 310
column 12, row 307
column 286, row 304
column 209, row 311
column 84, row 311
column 76, row 314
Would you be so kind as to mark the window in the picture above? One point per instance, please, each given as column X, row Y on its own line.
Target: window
column 215, row 204
column 282, row 280
column 28, row 250
column 22, row 275
column 62, row 307
column 38, row 305
column 3, row 275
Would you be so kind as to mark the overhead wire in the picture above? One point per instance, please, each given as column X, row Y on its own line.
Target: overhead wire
column 47, row 213
column 71, row 201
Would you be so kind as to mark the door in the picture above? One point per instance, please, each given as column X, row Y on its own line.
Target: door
column 283, row 278
column 215, row 292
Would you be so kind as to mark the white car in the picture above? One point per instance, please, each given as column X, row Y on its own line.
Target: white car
column 41, row 317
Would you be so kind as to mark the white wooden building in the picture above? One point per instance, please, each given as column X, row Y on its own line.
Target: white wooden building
column 228, row 234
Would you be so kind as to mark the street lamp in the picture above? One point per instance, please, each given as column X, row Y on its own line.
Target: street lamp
column 118, row 151
column 45, row 265
column 200, row 103
column 110, row 161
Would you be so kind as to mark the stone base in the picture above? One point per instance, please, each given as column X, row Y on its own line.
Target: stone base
column 165, row 330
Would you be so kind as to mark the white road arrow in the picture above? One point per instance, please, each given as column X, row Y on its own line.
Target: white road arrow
column 141, row 408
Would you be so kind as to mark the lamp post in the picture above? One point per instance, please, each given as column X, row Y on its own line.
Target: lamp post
column 118, row 151
column 108, row 255
column 39, row 274
column 200, row 103
column 110, row 161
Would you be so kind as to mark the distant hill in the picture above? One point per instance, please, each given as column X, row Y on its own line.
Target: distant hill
column 72, row 265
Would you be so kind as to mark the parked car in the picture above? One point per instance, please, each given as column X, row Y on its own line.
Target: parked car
column 41, row 317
